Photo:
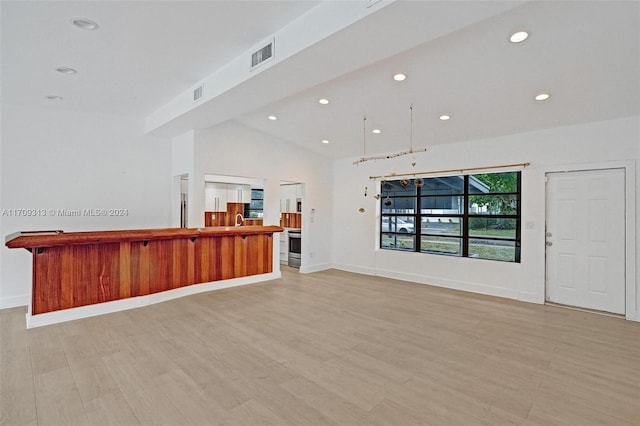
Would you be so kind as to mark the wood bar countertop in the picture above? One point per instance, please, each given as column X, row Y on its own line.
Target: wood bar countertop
column 73, row 269
column 37, row 239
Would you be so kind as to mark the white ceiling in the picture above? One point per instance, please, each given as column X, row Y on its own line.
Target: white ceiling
column 586, row 54
column 143, row 54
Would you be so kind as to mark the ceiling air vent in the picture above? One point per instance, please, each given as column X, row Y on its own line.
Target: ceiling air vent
column 262, row 55
column 198, row 92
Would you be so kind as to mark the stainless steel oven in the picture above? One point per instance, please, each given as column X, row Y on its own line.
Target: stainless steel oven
column 295, row 247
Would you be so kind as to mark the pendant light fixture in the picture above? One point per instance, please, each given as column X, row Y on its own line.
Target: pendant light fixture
column 384, row 157
column 364, row 141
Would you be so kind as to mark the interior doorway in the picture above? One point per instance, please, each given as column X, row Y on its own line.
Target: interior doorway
column 180, row 203
column 585, row 239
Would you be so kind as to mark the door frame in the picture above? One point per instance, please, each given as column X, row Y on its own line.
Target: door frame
column 631, row 296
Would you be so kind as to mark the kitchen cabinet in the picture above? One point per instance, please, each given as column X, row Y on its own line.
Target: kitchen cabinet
column 284, row 248
column 290, row 194
column 237, row 193
column 217, row 195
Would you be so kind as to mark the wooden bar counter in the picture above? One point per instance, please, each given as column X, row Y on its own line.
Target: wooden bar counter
column 72, row 269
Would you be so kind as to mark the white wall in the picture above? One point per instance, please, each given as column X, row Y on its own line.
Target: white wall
column 232, row 149
column 55, row 160
column 355, row 244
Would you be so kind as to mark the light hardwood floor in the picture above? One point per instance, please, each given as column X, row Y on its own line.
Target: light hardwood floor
column 324, row 349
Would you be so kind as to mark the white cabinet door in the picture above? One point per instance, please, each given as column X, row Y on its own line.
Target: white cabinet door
column 238, row 193
column 284, row 248
column 289, row 197
column 245, row 194
column 283, row 198
column 215, row 197
column 209, row 197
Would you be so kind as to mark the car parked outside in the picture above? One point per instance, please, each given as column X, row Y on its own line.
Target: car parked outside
column 397, row 225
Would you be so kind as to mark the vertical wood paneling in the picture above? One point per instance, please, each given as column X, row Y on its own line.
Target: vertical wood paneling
column 228, row 217
column 86, row 266
column 227, row 255
column 255, row 259
column 66, row 277
column 125, row 270
column 291, row 220
column 47, row 280
column 78, row 275
column 240, row 257
column 135, row 272
column 204, row 252
column 190, row 262
column 160, row 266
column 109, row 264
column 201, row 259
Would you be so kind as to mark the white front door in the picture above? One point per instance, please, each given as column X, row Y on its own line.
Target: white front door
column 585, row 225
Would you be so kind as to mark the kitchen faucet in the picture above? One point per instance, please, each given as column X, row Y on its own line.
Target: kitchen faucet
column 241, row 219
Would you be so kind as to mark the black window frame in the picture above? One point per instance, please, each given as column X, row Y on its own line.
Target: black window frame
column 464, row 217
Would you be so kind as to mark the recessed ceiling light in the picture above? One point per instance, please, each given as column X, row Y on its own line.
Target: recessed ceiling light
column 518, row 37
column 272, row 117
column 376, row 131
column 54, row 97
column 325, row 141
column 85, row 24
column 399, row 77
column 542, row 97
column 323, row 101
column 66, row 70
column 445, row 117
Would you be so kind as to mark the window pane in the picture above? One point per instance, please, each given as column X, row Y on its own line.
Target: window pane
column 482, row 216
column 399, row 205
column 492, row 227
column 493, row 204
column 448, row 204
column 492, row 250
column 403, row 187
column 402, row 224
column 441, row 225
column 493, row 182
column 398, row 242
column 441, row 245
column 443, row 185
column 256, row 205
column 257, row 194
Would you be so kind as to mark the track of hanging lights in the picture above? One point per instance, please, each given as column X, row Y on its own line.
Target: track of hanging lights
column 411, row 149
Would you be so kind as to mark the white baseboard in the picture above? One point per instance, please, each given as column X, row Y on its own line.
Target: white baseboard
column 531, row 297
column 454, row 285
column 15, row 301
column 355, row 269
column 314, row 268
column 140, row 301
column 633, row 316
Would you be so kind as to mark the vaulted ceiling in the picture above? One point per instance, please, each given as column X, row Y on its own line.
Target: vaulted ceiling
column 456, row 55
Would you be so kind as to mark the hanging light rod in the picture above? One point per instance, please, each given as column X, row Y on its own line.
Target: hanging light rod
column 384, row 157
column 470, row 169
column 387, row 156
